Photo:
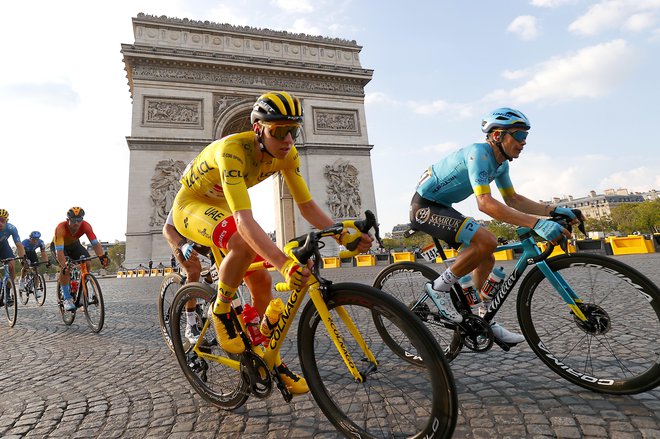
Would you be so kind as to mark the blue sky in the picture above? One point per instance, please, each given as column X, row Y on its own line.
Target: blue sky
column 584, row 72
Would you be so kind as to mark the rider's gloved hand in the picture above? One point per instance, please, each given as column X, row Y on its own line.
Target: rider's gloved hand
column 292, row 272
column 105, row 260
column 186, row 250
column 563, row 211
column 548, row 230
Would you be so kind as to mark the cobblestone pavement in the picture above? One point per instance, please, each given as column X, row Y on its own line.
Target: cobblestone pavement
column 58, row 381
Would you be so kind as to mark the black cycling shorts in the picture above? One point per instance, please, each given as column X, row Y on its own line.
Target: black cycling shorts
column 74, row 251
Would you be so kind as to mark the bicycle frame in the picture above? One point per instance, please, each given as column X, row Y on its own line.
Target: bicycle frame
column 531, row 254
column 270, row 354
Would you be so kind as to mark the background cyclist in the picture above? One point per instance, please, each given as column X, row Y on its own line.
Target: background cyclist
column 213, row 204
column 471, row 170
column 7, row 230
column 31, row 245
column 66, row 242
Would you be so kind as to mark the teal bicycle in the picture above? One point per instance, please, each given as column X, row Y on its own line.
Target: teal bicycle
column 593, row 320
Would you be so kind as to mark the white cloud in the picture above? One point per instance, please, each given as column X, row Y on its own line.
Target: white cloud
column 636, row 179
column 458, row 111
column 632, row 15
column 378, row 98
column 441, row 148
column 297, row 6
column 515, row 74
column 525, row 26
column 302, row 26
column 550, row 3
column 589, row 73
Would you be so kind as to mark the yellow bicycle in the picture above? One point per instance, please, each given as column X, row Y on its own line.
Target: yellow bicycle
column 362, row 386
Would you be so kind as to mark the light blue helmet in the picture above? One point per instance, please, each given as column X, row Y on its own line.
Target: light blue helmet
column 35, row 235
column 504, row 118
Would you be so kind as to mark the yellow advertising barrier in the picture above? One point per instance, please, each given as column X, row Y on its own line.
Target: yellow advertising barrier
column 402, row 256
column 130, row 273
column 504, row 255
column 631, row 244
column 141, row 273
column 121, row 274
column 557, row 250
column 332, row 262
column 168, row 270
column 155, row 272
column 364, row 260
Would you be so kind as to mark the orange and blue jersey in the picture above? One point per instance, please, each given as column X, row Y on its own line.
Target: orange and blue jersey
column 64, row 238
column 468, row 171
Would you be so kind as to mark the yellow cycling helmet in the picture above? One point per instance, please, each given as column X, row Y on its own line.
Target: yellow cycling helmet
column 75, row 212
column 277, row 106
column 4, row 213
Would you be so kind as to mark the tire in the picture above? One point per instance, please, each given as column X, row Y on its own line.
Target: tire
column 12, row 310
column 396, row 399
column 67, row 316
column 168, row 289
column 618, row 353
column 40, row 286
column 220, row 385
column 93, row 303
column 24, row 294
column 405, row 282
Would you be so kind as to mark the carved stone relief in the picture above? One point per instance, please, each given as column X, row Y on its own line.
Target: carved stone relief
column 343, row 190
column 159, row 112
column 336, row 121
column 164, row 187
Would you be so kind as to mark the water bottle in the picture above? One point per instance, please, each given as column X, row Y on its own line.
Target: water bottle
column 74, row 286
column 271, row 317
column 251, row 319
column 471, row 293
column 492, row 284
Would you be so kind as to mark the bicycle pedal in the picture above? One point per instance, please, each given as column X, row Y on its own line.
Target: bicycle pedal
column 506, row 347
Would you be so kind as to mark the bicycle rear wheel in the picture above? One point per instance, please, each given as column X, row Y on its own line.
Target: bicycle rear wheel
column 218, row 384
column 93, row 303
column 405, row 282
column 67, row 316
column 396, row 399
column 168, row 288
column 616, row 351
column 10, row 301
column 40, row 289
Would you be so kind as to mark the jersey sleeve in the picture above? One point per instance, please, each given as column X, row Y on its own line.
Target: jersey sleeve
column 231, row 161
column 477, row 165
column 58, row 239
column 294, row 181
column 503, row 182
column 87, row 230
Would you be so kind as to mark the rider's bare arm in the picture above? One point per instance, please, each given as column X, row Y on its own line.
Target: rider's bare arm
column 501, row 212
column 524, row 204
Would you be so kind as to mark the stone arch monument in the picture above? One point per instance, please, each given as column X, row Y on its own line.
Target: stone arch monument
column 192, row 82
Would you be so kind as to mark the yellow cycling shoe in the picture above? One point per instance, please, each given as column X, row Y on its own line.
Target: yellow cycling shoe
column 226, row 333
column 294, row 382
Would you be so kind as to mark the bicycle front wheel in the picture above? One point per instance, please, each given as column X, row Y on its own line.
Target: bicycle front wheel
column 168, row 288
column 616, row 350
column 395, row 399
column 93, row 303
column 10, row 301
column 67, row 316
column 405, row 282
column 40, row 289
column 24, row 294
column 218, row 384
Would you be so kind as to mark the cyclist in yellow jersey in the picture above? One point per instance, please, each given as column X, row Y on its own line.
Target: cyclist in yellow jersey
column 213, row 208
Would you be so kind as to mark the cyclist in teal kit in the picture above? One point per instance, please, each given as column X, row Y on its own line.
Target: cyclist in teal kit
column 468, row 171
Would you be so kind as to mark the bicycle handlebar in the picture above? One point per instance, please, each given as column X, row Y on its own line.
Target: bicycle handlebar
column 306, row 246
column 565, row 222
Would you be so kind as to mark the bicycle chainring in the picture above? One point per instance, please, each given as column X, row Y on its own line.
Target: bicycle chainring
column 476, row 333
column 598, row 321
column 255, row 373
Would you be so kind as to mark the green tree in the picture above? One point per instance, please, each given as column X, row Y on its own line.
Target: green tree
column 643, row 217
column 605, row 224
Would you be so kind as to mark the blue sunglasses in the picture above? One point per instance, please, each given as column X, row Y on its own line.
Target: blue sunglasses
column 519, row 136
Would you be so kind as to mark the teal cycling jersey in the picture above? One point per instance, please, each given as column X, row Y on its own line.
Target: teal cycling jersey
column 468, row 171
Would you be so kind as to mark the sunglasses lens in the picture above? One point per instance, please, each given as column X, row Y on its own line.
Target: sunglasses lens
column 520, row 135
column 280, row 131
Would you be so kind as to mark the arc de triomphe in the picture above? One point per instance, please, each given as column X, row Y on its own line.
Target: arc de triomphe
column 192, row 82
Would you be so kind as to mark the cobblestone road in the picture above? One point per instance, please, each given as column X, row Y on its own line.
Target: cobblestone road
column 58, row 381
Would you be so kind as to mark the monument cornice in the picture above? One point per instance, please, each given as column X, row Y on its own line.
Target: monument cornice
column 334, row 149
column 166, row 143
column 245, row 76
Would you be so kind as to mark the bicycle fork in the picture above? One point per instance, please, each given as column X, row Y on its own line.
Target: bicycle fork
column 333, row 331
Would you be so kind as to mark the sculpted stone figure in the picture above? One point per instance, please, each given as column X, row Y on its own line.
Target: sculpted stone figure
column 343, row 190
column 164, row 184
